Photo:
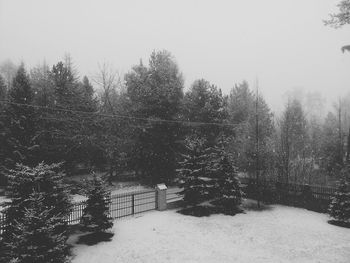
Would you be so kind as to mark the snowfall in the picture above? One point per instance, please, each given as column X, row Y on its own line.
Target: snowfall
column 276, row 234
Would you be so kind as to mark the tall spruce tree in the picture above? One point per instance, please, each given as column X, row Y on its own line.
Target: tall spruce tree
column 4, row 130
column 244, row 108
column 68, row 134
column 155, row 92
column 96, row 216
column 20, row 121
column 204, row 102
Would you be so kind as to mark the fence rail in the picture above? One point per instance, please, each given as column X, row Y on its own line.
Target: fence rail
column 173, row 194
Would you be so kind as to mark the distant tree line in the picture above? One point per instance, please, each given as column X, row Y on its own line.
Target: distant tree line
column 140, row 123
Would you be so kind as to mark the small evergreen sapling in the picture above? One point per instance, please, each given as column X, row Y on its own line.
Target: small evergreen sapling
column 96, row 217
column 339, row 208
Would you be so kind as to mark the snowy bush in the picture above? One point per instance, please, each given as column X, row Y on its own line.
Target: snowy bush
column 339, row 208
column 36, row 238
column 227, row 188
column 35, row 218
column 193, row 172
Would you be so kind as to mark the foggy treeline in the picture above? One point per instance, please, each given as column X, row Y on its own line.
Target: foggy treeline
column 137, row 123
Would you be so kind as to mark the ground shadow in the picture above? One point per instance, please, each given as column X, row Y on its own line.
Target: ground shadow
column 338, row 223
column 252, row 205
column 95, row 238
column 207, row 210
column 198, row 211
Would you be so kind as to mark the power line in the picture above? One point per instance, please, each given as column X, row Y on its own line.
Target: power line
column 119, row 116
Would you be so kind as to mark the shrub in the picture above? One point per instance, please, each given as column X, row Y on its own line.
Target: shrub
column 339, row 208
column 35, row 217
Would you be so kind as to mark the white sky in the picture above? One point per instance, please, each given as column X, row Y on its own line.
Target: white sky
column 282, row 42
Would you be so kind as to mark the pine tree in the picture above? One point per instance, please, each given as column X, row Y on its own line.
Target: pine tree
column 4, row 130
column 35, row 238
column 155, row 92
column 204, row 102
column 20, row 122
column 96, row 213
column 193, row 172
column 227, row 189
column 339, row 208
column 54, row 199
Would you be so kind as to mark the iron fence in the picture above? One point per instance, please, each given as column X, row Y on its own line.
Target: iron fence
column 313, row 197
column 120, row 205
column 318, row 191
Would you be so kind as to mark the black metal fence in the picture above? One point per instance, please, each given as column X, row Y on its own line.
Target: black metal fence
column 120, row 205
column 314, row 197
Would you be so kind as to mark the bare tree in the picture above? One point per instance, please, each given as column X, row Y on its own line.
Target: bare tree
column 109, row 83
column 114, row 137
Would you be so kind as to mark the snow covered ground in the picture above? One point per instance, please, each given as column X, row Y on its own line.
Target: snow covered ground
column 279, row 234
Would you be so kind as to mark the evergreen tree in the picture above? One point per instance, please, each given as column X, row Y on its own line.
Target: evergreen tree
column 227, row 188
column 20, row 121
column 96, row 213
column 155, row 92
column 339, row 208
column 193, row 172
column 67, row 133
column 43, row 85
column 54, row 199
column 35, row 238
column 204, row 102
column 241, row 108
column 4, row 131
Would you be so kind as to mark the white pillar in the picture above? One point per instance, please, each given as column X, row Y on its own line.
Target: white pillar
column 161, row 197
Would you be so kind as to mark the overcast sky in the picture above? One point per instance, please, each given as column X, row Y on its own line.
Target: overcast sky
column 282, row 42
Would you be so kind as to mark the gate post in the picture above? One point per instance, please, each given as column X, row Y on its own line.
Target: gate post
column 161, row 197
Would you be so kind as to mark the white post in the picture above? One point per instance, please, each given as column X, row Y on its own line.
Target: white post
column 161, row 197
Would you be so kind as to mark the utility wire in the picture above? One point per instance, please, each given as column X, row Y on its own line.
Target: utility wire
column 119, row 116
